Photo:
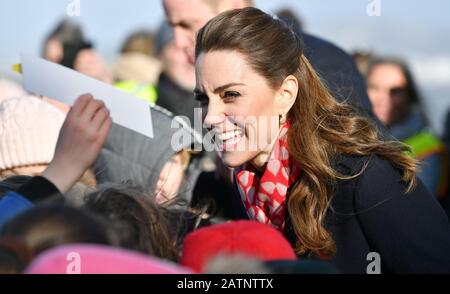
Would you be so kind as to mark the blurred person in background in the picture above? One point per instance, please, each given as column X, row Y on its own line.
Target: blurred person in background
column 362, row 60
column 137, row 69
column 336, row 67
column 177, row 80
column 397, row 104
column 66, row 45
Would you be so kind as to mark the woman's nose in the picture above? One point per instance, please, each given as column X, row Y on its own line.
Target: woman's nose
column 214, row 115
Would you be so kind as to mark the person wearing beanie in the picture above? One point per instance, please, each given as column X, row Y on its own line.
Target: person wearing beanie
column 79, row 142
column 251, row 239
column 9, row 89
column 155, row 164
column 97, row 259
column 29, row 129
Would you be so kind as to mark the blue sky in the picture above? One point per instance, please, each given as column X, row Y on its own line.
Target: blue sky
column 418, row 30
column 402, row 23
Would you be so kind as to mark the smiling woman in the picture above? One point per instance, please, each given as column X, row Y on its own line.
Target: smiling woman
column 319, row 172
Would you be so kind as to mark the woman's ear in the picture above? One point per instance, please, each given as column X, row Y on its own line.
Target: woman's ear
column 287, row 94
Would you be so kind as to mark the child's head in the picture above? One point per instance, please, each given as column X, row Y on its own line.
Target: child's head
column 48, row 226
column 10, row 89
column 141, row 223
column 251, row 239
column 171, row 177
column 29, row 129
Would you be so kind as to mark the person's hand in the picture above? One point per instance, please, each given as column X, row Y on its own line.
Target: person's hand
column 79, row 143
column 91, row 64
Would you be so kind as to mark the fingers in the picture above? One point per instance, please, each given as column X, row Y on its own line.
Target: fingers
column 90, row 112
column 104, row 130
column 91, row 109
column 99, row 117
column 81, row 103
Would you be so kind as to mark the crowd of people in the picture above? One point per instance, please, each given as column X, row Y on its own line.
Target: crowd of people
column 320, row 158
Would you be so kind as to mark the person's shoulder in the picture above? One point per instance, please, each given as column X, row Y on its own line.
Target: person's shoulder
column 375, row 179
column 316, row 44
column 371, row 165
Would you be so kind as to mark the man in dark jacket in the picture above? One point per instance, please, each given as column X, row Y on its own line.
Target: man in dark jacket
column 177, row 81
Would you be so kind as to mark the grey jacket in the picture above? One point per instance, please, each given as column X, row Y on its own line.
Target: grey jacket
column 130, row 157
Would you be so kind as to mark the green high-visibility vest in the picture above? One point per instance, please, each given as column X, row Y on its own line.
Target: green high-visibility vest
column 425, row 144
column 142, row 90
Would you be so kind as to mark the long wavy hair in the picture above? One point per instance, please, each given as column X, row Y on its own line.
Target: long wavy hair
column 320, row 126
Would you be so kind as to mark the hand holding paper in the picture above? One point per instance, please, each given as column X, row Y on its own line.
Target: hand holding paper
column 45, row 78
column 79, row 143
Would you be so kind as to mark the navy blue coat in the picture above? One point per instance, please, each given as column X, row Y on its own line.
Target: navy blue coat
column 371, row 213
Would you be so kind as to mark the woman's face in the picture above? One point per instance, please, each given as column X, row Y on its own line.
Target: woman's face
column 387, row 92
column 238, row 106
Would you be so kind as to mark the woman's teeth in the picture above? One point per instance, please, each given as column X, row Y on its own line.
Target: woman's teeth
column 229, row 135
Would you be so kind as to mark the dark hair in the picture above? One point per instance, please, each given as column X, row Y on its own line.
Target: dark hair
column 14, row 256
column 70, row 35
column 292, row 20
column 66, row 32
column 47, row 226
column 141, row 223
column 321, row 128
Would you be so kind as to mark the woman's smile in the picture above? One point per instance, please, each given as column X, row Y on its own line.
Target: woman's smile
column 228, row 140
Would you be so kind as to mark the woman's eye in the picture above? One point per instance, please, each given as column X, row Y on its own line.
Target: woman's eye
column 229, row 95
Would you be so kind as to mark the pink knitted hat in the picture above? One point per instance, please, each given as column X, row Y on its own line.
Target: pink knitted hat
column 97, row 259
column 9, row 89
column 29, row 129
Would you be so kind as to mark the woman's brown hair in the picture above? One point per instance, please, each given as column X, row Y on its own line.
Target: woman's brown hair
column 320, row 127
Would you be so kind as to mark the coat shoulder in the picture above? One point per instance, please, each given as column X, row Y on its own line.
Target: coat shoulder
column 375, row 180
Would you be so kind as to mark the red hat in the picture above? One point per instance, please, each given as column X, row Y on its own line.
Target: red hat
column 250, row 238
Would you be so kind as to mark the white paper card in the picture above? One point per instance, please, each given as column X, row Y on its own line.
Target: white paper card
column 45, row 78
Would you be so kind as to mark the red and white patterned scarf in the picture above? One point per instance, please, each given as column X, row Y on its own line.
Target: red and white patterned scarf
column 264, row 198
